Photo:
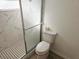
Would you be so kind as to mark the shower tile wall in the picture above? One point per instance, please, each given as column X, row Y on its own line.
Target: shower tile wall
column 11, row 35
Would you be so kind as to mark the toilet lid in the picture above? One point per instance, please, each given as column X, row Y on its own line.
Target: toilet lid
column 42, row 48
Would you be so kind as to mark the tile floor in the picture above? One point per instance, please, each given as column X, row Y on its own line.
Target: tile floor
column 54, row 56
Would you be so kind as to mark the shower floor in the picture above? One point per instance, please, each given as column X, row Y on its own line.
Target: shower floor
column 15, row 52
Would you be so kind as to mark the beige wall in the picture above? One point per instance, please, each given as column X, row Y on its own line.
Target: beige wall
column 63, row 17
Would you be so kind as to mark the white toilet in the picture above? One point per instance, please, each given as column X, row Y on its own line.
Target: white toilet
column 42, row 49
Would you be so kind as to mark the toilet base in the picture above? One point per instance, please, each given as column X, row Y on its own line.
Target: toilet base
column 45, row 56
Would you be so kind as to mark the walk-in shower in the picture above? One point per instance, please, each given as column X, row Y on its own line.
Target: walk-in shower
column 20, row 27
column 31, row 16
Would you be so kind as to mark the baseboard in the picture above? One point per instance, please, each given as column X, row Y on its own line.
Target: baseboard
column 59, row 54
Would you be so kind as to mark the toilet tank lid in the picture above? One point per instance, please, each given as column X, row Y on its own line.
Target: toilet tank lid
column 50, row 32
column 43, row 46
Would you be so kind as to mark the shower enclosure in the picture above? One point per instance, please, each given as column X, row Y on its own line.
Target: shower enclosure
column 11, row 33
column 31, row 19
column 20, row 27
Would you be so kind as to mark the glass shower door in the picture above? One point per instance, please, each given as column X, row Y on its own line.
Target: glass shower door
column 31, row 10
column 32, row 37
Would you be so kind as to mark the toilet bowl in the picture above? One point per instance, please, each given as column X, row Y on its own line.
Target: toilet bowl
column 42, row 49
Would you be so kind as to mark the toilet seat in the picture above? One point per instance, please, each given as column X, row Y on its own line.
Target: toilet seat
column 42, row 48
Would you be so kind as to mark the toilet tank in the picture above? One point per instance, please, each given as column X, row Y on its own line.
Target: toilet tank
column 49, row 36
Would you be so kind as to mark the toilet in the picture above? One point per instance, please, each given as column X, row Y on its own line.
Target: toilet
column 42, row 49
